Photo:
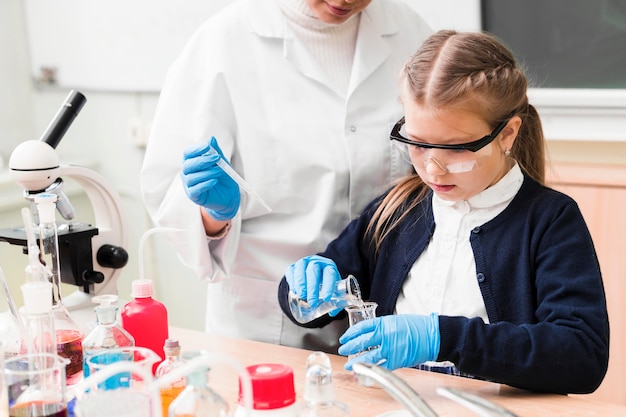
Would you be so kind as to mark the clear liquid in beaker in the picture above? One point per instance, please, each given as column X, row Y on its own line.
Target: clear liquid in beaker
column 347, row 293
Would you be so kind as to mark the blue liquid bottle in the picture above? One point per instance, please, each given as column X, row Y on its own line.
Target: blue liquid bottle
column 107, row 335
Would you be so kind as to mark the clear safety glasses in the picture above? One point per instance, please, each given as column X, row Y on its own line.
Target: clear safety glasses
column 457, row 158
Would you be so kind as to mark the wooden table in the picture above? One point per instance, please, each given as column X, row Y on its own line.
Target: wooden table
column 372, row 401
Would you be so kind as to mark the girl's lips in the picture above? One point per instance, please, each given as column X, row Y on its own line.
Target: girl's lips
column 337, row 11
column 439, row 188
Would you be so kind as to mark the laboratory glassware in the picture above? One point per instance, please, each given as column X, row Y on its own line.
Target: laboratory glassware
column 143, row 357
column 94, row 399
column 198, row 399
column 37, row 315
column 4, row 392
column 69, row 336
column 11, row 324
column 347, row 292
column 357, row 313
column 243, row 184
column 36, row 385
column 173, row 360
column 107, row 334
column 319, row 391
column 145, row 318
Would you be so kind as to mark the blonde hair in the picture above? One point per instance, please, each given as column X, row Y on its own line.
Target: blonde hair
column 459, row 69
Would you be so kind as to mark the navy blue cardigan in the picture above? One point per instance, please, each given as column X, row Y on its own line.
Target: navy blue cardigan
column 539, row 277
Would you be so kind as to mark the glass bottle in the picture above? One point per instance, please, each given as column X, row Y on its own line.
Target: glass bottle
column 69, row 335
column 4, row 397
column 173, row 360
column 107, row 334
column 319, row 392
column 37, row 316
column 198, row 399
column 347, row 292
column 10, row 331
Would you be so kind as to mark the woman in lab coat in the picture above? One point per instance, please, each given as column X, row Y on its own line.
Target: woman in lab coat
column 301, row 96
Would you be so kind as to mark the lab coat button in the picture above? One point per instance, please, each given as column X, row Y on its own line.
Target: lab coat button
column 352, row 128
column 480, row 277
column 476, row 229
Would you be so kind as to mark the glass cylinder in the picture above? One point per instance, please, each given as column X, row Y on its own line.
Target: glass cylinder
column 69, row 335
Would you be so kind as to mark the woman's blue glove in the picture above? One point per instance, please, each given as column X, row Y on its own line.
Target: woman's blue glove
column 313, row 278
column 396, row 341
column 206, row 184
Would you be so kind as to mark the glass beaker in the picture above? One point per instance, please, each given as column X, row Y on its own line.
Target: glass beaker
column 36, row 385
column 356, row 314
column 364, row 311
column 4, row 401
column 100, row 360
column 95, row 399
column 347, row 292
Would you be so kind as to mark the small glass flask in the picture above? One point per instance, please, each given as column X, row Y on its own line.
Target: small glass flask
column 198, row 399
column 319, row 391
column 346, row 293
column 108, row 334
column 173, row 360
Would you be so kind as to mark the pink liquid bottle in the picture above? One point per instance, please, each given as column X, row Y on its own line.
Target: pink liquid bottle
column 146, row 319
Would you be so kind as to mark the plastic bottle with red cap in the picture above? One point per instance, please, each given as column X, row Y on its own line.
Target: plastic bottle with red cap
column 146, row 318
column 273, row 392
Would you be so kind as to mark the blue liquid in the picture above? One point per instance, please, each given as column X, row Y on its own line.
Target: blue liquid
column 100, row 358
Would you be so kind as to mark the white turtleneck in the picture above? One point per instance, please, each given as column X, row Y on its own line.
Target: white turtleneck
column 331, row 45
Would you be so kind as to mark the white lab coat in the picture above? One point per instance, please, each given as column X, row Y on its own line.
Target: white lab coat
column 315, row 156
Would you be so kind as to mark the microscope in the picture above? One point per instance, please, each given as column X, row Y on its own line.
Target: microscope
column 90, row 257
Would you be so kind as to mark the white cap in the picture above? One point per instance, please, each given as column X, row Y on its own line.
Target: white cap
column 37, row 297
column 141, row 288
column 46, row 205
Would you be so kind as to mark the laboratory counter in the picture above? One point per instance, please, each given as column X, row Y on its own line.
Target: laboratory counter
column 373, row 401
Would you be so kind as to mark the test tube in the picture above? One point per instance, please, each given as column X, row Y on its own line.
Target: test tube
column 239, row 180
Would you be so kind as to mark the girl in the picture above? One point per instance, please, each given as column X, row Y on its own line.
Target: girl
column 471, row 260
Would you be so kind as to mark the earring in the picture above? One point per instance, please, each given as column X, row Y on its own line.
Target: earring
column 507, row 152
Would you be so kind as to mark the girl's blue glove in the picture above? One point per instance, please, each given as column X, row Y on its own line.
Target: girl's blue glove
column 206, row 184
column 313, row 278
column 396, row 341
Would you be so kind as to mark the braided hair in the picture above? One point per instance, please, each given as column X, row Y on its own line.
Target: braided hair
column 455, row 68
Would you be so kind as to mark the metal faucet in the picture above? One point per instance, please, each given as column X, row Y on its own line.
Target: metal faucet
column 397, row 388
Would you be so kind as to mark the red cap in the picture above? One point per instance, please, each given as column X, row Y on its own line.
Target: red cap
column 272, row 386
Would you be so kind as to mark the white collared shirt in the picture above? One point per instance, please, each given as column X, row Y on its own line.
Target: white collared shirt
column 443, row 279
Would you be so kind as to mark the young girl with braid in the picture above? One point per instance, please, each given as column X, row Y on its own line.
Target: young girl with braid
column 472, row 260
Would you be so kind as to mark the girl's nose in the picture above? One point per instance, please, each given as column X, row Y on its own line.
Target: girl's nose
column 434, row 167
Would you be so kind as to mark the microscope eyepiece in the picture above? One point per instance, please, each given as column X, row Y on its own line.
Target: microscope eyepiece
column 64, row 118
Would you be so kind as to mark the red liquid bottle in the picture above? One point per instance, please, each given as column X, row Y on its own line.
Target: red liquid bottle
column 146, row 319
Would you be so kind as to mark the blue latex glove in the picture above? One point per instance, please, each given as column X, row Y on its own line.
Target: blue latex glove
column 396, row 341
column 206, row 184
column 314, row 278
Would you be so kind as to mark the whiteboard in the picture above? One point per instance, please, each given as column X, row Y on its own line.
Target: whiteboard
column 112, row 45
